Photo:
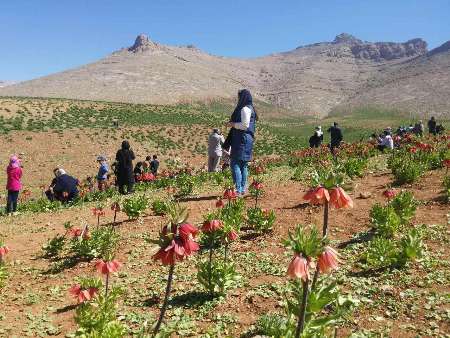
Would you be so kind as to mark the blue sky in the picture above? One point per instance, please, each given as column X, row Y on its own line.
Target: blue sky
column 39, row 37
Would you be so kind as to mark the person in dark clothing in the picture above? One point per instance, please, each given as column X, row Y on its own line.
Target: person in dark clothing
column 440, row 129
column 138, row 171
column 432, row 126
column 154, row 165
column 336, row 137
column 316, row 140
column 241, row 138
column 64, row 188
column 124, row 158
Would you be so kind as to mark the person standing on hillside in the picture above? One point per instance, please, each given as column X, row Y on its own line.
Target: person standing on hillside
column 316, row 140
column 124, row 158
column 336, row 137
column 13, row 183
column 215, row 143
column 432, row 126
column 102, row 174
column 241, row 138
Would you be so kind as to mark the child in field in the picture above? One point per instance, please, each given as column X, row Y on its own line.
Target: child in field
column 13, row 184
column 102, row 174
column 154, row 165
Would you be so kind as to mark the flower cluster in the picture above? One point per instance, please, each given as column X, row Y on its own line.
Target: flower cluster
column 146, row 177
column 299, row 266
column 83, row 294
column 176, row 243
column 336, row 196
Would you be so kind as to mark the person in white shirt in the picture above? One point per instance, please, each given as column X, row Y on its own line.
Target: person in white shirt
column 386, row 142
column 241, row 139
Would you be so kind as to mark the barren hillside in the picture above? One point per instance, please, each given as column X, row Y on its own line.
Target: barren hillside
column 311, row 79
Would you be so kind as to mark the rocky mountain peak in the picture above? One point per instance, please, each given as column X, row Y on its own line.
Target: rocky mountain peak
column 142, row 43
column 346, row 38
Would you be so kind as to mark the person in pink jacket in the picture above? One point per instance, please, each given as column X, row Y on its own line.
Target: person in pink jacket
column 13, row 184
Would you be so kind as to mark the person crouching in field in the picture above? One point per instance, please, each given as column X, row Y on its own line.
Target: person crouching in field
column 13, row 184
column 102, row 172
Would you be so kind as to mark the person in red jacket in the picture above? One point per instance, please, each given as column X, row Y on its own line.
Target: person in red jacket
column 13, row 184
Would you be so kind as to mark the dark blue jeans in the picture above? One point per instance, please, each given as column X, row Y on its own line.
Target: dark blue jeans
column 11, row 203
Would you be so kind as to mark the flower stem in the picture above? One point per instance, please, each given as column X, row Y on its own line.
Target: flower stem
column 325, row 219
column 98, row 220
column 226, row 252
column 210, row 265
column 115, row 216
column 302, row 313
column 166, row 300
column 106, row 284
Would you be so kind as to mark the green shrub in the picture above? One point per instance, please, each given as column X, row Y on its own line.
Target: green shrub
column 381, row 252
column 355, row 167
column 404, row 206
column 261, row 220
column 385, row 220
column 135, row 206
column 411, row 247
column 101, row 243
column 223, row 276
column 160, row 207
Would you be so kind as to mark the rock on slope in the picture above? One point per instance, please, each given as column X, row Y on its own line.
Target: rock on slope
column 421, row 85
column 311, row 79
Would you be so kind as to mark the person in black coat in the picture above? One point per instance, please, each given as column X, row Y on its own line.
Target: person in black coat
column 336, row 137
column 125, row 177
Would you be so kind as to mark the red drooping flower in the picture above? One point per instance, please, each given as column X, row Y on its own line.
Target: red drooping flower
column 298, row 268
column 219, row 203
column 170, row 254
column 232, row 235
column 389, row 193
column 317, row 195
column 76, row 232
column 328, row 260
column 98, row 212
column 81, row 294
column 212, row 226
column 340, row 199
column 115, row 207
column 446, row 163
column 230, row 194
column 180, row 247
column 413, row 150
column 107, row 267
column 257, row 185
column 3, row 250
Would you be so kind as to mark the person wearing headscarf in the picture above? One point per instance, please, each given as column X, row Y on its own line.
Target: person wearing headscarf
column 241, row 138
column 13, row 183
column 317, row 138
column 336, row 137
column 124, row 158
column 65, row 187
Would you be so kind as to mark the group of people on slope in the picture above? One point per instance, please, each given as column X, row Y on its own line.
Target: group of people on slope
column 389, row 140
column 65, row 188
column 336, row 137
column 237, row 148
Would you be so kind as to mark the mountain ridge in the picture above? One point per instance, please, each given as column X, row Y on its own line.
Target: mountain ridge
column 312, row 79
